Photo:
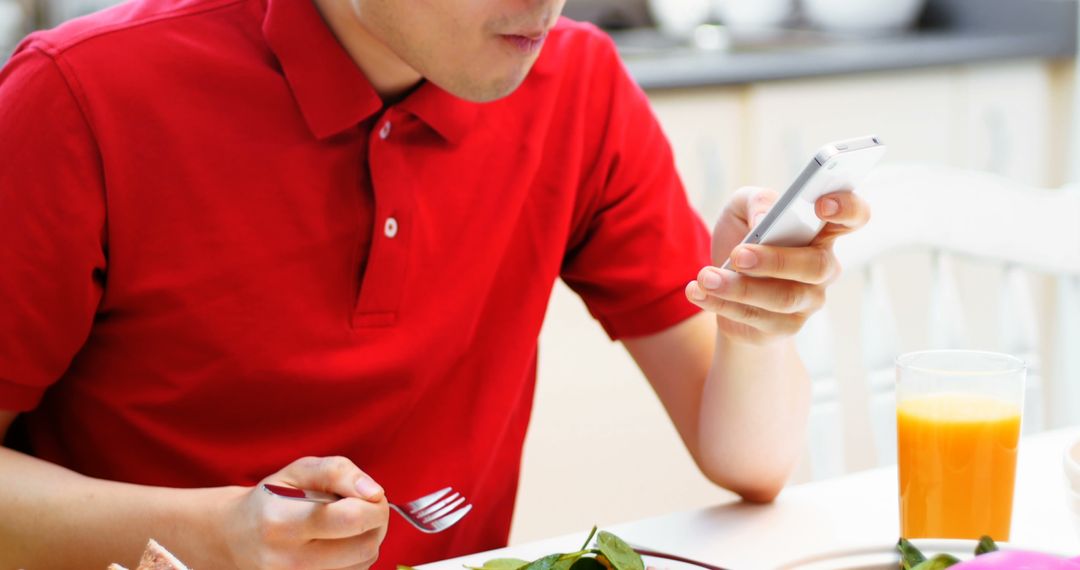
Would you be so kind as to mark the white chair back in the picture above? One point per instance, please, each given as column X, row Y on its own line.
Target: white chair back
column 951, row 259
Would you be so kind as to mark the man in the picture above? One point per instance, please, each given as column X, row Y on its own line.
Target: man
column 280, row 241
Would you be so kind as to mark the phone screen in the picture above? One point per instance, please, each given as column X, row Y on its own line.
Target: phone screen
column 792, row 221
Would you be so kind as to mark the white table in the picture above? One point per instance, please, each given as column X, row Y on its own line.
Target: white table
column 835, row 514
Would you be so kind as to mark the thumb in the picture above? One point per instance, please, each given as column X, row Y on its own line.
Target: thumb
column 747, row 206
column 336, row 475
column 760, row 201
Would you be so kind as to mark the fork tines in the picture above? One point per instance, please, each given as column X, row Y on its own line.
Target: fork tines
column 438, row 508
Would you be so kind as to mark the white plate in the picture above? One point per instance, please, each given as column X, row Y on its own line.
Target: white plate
column 666, row 564
column 884, row 557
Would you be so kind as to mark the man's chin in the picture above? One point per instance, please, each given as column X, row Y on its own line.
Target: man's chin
column 485, row 91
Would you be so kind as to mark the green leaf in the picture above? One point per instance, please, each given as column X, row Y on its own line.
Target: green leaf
column 910, row 557
column 587, row 563
column 546, row 563
column 588, row 540
column 621, row 556
column 986, row 544
column 938, row 562
column 404, row 567
column 568, row 560
column 500, row 564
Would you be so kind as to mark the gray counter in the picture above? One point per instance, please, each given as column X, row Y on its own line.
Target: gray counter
column 950, row 32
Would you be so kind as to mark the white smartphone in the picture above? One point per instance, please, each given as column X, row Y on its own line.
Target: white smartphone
column 840, row 165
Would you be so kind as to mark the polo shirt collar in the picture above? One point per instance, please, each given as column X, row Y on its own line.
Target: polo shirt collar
column 332, row 91
column 448, row 115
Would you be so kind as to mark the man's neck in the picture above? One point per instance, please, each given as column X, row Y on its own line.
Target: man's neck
column 391, row 77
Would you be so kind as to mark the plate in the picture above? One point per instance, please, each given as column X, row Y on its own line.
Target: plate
column 668, row 564
column 884, row 557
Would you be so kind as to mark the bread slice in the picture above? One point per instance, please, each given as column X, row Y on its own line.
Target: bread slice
column 155, row 557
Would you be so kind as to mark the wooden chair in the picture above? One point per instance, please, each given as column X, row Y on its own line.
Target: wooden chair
column 951, row 259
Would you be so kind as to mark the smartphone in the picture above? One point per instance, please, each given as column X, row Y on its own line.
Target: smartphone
column 840, row 165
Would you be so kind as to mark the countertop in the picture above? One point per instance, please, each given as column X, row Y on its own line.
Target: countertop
column 950, row 32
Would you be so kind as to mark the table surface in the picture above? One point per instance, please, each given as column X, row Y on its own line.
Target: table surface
column 855, row 510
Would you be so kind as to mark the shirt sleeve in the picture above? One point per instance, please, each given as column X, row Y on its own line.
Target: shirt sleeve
column 52, row 227
column 642, row 242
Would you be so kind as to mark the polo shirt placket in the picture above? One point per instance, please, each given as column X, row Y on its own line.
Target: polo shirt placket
column 386, row 270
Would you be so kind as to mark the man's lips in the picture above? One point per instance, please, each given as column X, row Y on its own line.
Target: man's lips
column 527, row 41
column 537, row 35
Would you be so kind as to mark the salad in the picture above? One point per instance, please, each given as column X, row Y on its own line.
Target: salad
column 987, row 557
column 608, row 553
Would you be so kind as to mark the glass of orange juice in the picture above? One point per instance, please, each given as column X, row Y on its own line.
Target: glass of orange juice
column 958, row 429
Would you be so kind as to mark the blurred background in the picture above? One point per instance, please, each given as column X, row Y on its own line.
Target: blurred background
column 972, row 96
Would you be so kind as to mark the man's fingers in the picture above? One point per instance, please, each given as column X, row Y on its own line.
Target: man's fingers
column 748, row 203
column 816, row 265
column 845, row 212
column 845, row 209
column 753, row 317
column 348, row 517
column 354, row 552
column 776, row 295
column 761, row 199
column 336, row 475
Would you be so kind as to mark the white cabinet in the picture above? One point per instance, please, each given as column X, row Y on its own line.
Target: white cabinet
column 706, row 129
column 913, row 112
column 993, row 117
column 57, row 11
column 14, row 22
column 1006, row 120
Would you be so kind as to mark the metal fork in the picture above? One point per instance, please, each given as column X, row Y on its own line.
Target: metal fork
column 431, row 513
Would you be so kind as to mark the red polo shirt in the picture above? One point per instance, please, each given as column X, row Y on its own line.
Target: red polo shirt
column 220, row 252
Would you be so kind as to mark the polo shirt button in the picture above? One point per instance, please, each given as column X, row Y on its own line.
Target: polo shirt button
column 390, row 227
column 385, row 130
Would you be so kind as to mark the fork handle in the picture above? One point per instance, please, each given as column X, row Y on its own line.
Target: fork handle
column 300, row 494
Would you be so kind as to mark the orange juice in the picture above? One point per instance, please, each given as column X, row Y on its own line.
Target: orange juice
column 957, row 460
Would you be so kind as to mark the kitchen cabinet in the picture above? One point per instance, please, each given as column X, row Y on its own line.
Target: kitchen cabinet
column 1006, row 127
column 595, row 413
column 992, row 117
column 706, row 129
column 913, row 113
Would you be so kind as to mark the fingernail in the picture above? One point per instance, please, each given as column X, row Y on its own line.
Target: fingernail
column 711, row 280
column 830, row 207
column 695, row 292
column 367, row 487
column 745, row 259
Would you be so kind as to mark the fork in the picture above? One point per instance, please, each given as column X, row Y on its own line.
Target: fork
column 431, row 513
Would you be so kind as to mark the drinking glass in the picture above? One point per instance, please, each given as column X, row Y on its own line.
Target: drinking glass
column 958, row 429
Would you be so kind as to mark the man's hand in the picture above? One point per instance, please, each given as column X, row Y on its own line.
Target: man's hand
column 267, row 532
column 775, row 289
